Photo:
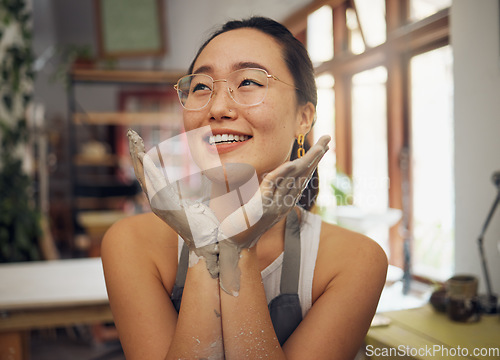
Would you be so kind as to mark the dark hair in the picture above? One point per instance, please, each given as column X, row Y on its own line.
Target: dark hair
column 300, row 66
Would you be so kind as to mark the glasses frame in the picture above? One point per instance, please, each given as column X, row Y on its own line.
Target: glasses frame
column 229, row 90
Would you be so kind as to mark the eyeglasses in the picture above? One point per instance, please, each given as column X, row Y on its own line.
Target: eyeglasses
column 246, row 87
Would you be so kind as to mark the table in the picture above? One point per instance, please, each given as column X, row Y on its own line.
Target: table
column 423, row 333
column 46, row 294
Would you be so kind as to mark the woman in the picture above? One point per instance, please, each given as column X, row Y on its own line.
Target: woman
column 328, row 297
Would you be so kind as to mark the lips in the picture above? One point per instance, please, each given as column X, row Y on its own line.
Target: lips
column 225, row 140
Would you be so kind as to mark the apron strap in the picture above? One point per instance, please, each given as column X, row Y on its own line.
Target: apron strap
column 182, row 267
column 290, row 272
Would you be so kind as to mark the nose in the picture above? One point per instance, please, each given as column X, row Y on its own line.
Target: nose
column 221, row 103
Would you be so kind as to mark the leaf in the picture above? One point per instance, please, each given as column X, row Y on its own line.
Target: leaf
column 7, row 101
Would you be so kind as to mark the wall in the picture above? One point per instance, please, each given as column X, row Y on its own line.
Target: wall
column 188, row 23
column 475, row 41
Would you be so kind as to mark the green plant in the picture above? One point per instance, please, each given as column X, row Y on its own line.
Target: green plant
column 342, row 188
column 19, row 218
column 68, row 56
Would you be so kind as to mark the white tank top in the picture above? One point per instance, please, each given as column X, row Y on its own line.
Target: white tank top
column 310, row 227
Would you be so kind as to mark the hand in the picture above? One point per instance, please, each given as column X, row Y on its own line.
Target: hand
column 193, row 221
column 278, row 193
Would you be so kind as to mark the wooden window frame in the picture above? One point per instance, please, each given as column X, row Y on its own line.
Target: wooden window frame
column 405, row 39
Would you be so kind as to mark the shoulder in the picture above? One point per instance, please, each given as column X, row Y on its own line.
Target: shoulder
column 347, row 255
column 139, row 232
column 144, row 243
column 350, row 245
column 348, row 279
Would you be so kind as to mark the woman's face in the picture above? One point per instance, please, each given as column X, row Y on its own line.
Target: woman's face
column 269, row 127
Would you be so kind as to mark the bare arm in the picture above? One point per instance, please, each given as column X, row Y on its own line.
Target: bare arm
column 140, row 263
column 246, row 323
column 198, row 331
column 335, row 326
column 349, row 277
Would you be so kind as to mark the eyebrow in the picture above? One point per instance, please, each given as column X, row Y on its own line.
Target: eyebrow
column 237, row 66
column 249, row 64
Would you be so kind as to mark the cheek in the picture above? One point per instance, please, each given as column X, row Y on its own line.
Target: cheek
column 280, row 118
column 192, row 120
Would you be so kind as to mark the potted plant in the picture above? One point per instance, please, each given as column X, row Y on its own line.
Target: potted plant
column 19, row 218
column 73, row 57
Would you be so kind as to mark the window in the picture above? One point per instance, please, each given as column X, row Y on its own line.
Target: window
column 371, row 14
column 420, row 9
column 320, row 48
column 369, row 148
column 432, row 162
column 356, row 41
column 325, row 125
column 388, row 58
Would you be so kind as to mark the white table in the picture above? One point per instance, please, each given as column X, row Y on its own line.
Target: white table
column 47, row 294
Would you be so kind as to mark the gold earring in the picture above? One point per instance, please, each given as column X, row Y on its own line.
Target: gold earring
column 300, row 150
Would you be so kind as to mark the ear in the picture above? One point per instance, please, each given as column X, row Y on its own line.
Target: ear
column 305, row 118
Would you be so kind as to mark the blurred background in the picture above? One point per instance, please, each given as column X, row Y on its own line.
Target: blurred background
column 408, row 90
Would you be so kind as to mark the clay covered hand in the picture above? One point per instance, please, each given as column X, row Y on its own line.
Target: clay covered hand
column 193, row 221
column 278, row 193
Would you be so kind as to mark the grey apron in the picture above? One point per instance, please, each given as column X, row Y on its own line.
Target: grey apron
column 285, row 310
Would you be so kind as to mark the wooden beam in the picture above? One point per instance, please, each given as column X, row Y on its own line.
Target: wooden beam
column 297, row 22
column 126, row 76
column 397, row 101
column 126, row 118
column 396, row 14
column 340, row 33
column 343, row 126
column 412, row 38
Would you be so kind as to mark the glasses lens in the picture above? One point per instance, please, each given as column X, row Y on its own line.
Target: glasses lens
column 195, row 91
column 248, row 86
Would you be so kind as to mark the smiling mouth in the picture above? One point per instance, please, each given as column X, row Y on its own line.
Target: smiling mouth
column 226, row 139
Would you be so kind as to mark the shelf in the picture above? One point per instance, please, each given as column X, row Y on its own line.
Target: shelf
column 99, row 203
column 101, row 160
column 97, row 222
column 126, row 76
column 145, row 100
column 125, row 119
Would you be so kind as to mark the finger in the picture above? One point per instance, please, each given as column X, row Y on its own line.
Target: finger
column 155, row 180
column 300, row 171
column 307, row 164
column 136, row 148
column 276, row 180
column 290, row 171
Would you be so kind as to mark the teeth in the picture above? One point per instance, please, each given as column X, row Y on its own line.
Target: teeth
column 226, row 137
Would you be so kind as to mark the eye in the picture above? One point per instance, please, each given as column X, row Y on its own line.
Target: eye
column 199, row 87
column 249, row 82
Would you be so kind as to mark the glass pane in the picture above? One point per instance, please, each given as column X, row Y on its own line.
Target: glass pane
column 432, row 163
column 420, row 9
column 369, row 152
column 320, row 35
column 371, row 14
column 325, row 125
column 357, row 44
